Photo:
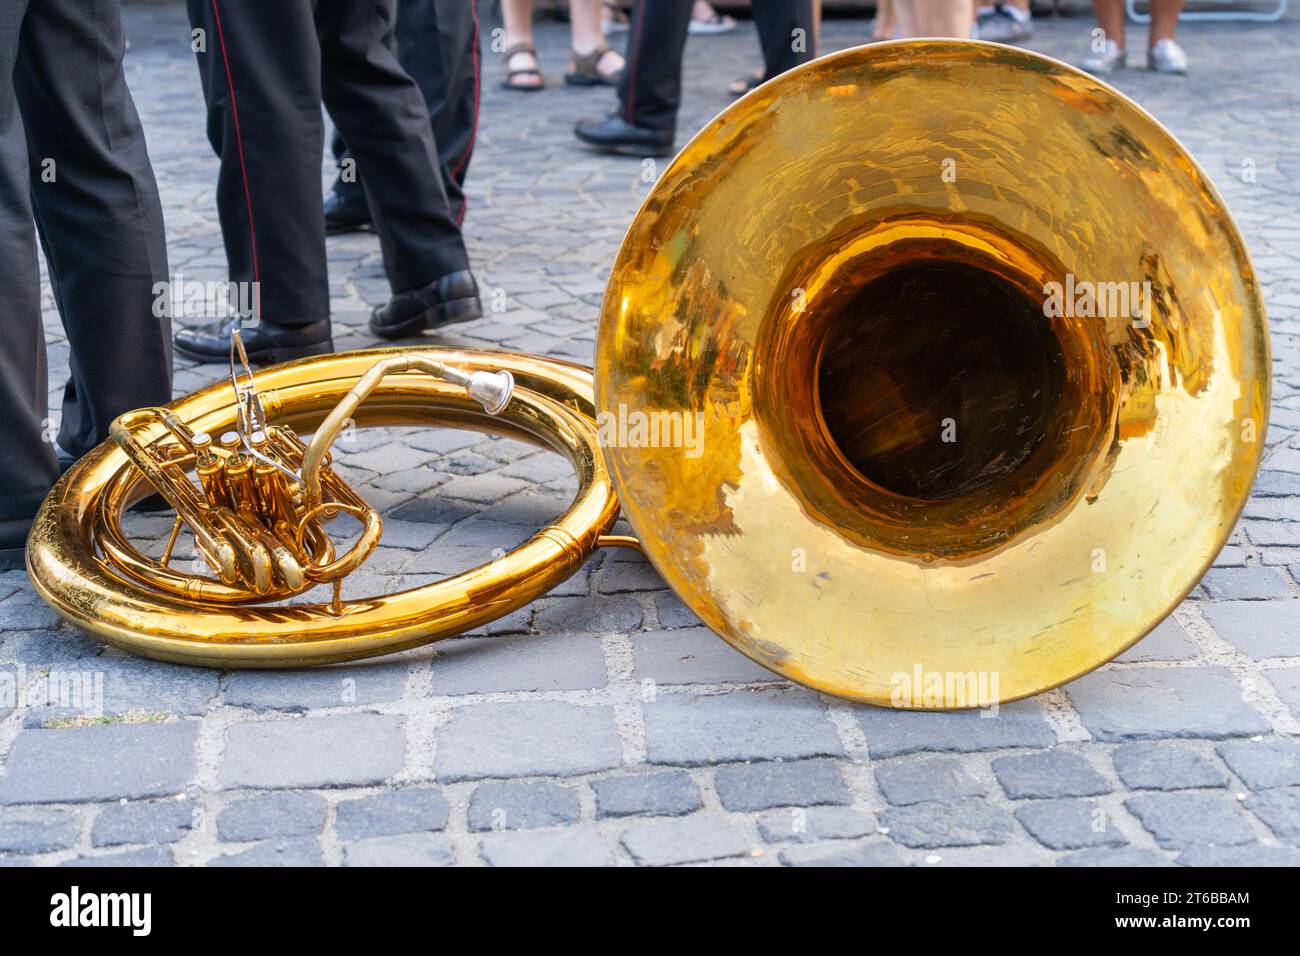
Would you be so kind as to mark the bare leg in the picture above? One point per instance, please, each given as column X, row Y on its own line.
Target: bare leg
column 517, row 17
column 1164, row 19
column 883, row 28
column 584, row 25
column 935, row 18
column 1110, row 17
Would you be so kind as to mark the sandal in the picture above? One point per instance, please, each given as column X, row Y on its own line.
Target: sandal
column 746, row 83
column 513, row 74
column 586, row 69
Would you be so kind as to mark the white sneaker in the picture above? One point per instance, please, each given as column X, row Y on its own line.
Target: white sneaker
column 1003, row 23
column 1109, row 60
column 711, row 25
column 1167, row 57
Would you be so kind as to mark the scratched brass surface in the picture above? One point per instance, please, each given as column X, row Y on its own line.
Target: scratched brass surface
column 551, row 407
column 806, row 278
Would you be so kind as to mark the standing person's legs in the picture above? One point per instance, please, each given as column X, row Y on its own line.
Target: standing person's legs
column 1107, row 52
column 651, row 88
column 438, row 45
column 518, row 52
column 28, row 466
column 100, row 217
column 884, row 26
column 787, row 32
column 935, row 18
column 260, row 69
column 1164, row 55
column 1164, row 19
column 383, row 118
column 1110, row 17
column 591, row 62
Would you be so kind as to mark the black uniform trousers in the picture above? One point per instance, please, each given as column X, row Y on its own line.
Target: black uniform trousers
column 282, row 58
column 73, row 159
column 438, row 45
column 651, row 89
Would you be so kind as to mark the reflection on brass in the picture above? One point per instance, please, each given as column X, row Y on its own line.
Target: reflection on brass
column 974, row 360
column 919, row 474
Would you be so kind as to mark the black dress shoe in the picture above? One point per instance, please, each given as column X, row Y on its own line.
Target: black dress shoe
column 346, row 213
column 614, row 134
column 453, row 298
column 13, row 542
column 264, row 343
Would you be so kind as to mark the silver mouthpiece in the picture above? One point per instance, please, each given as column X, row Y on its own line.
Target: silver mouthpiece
column 492, row 390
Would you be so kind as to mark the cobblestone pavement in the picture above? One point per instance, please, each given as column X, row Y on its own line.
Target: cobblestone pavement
column 537, row 746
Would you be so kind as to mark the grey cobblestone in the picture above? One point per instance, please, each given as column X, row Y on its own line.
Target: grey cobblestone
column 300, row 852
column 783, row 723
column 373, row 682
column 906, row 782
column 272, row 815
column 609, row 687
column 141, row 856
column 305, row 752
column 526, row 739
column 970, row 821
column 130, row 685
column 667, row 794
column 1069, row 824
column 1248, row 584
column 893, row 733
column 692, row 839
column 1263, row 763
column 1280, row 810
column 864, row 853
column 672, row 612
column 151, row 821
column 591, row 614
column 52, row 646
column 1163, row 766
column 409, row 810
column 1180, row 820
column 810, row 824
column 102, row 762
column 628, row 571
column 693, row 655
column 1128, row 856
column 801, row 783
column 502, row 664
column 1144, row 703
column 1256, row 627
column 521, row 806
column 418, row 849
column 1287, row 684
column 1049, row 774
column 1239, row 856
column 577, row 846
column 1168, row 642
column 32, row 830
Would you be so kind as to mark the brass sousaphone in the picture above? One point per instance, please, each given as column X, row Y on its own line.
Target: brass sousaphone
column 977, row 356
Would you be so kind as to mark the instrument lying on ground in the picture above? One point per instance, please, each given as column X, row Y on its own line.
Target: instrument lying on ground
column 929, row 374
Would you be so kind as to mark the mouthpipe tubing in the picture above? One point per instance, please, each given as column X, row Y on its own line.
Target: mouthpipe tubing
column 492, row 393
